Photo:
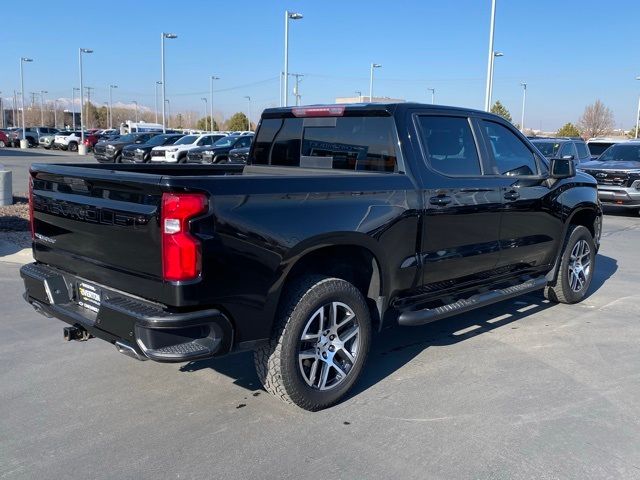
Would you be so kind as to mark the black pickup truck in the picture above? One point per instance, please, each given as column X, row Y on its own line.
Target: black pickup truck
column 346, row 218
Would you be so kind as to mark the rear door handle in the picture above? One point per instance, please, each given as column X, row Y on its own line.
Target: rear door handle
column 440, row 200
column 511, row 195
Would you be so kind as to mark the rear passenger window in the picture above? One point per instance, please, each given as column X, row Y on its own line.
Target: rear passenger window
column 568, row 150
column 342, row 143
column 512, row 157
column 449, row 145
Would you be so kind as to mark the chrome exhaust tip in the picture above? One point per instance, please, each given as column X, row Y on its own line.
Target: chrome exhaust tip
column 129, row 351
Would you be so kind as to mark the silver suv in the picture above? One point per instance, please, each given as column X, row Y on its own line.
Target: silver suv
column 563, row 147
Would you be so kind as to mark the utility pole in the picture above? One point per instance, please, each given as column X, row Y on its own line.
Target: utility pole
column 487, row 97
column 296, row 91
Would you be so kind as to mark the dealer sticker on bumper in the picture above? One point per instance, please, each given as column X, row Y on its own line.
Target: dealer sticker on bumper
column 88, row 297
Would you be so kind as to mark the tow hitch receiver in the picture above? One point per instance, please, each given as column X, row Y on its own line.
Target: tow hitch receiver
column 76, row 333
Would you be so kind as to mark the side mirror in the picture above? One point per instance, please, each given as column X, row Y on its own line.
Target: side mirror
column 562, row 167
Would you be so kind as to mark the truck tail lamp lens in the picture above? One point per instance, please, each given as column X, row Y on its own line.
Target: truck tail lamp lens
column 329, row 111
column 181, row 251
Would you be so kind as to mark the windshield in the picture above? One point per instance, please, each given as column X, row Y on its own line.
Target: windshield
column 189, row 139
column 127, row 138
column 597, row 149
column 226, row 142
column 159, row 140
column 621, row 153
column 548, row 149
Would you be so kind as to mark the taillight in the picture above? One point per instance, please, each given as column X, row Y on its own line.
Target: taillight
column 326, row 111
column 31, row 219
column 181, row 251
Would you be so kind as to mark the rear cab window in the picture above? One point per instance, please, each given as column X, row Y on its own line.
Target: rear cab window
column 357, row 143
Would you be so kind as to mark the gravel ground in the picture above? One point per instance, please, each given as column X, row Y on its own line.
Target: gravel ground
column 15, row 218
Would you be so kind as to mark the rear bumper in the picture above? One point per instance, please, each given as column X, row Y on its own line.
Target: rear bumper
column 147, row 328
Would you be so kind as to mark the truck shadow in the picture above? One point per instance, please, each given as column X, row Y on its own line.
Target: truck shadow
column 395, row 346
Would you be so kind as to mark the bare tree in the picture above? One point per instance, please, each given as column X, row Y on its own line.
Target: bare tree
column 597, row 120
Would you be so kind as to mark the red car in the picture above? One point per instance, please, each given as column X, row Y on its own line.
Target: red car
column 4, row 140
column 91, row 139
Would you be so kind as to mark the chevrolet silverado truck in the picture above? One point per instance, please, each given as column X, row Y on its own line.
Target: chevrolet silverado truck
column 617, row 172
column 345, row 219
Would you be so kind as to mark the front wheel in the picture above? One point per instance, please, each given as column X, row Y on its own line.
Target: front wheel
column 576, row 267
column 2, row 144
column 319, row 345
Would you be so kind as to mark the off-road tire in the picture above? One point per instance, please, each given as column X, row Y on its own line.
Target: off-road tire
column 277, row 362
column 561, row 290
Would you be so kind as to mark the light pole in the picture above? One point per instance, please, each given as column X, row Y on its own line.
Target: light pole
column 212, row 78
column 204, row 100
column 524, row 104
column 73, row 105
column 287, row 16
column 248, row 112
column 111, row 87
column 42, row 93
column 23, row 141
column 487, row 97
column 433, row 95
column 373, row 66
column 495, row 54
column 162, row 80
column 169, row 111
column 82, row 149
column 136, row 106
column 158, row 82
column 359, row 93
column 55, row 113
column 637, row 115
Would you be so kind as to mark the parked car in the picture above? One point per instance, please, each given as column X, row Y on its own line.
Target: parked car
column 598, row 145
column 91, row 139
column 563, row 147
column 141, row 153
column 177, row 153
column 33, row 134
column 348, row 217
column 219, row 151
column 12, row 136
column 67, row 141
column 617, row 172
column 239, row 155
column 46, row 141
column 4, row 139
column 110, row 151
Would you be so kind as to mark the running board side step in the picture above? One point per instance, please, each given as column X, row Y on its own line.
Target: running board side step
column 413, row 318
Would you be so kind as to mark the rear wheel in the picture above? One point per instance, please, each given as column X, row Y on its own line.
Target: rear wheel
column 72, row 147
column 2, row 144
column 576, row 267
column 319, row 345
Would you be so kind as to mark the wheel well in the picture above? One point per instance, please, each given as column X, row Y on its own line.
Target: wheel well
column 586, row 218
column 354, row 264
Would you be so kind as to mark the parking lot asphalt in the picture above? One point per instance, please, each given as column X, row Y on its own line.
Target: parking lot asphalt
column 518, row 390
column 19, row 161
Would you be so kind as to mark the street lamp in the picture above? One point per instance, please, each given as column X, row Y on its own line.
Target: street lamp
column 487, row 97
column 73, row 106
column 23, row 141
column 162, row 37
column 359, row 93
column 82, row 149
column 287, row 16
column 111, row 87
column 158, row 82
column 248, row 112
column 524, row 104
column 213, row 77
column 373, row 66
column 42, row 93
column 433, row 95
column 204, row 100
column 55, row 112
column 637, row 115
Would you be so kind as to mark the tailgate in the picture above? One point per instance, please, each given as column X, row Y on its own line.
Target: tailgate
column 102, row 225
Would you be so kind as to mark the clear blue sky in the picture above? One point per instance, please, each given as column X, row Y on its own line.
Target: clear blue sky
column 569, row 52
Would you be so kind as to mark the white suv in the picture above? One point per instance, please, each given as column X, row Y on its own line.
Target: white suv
column 67, row 141
column 177, row 153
